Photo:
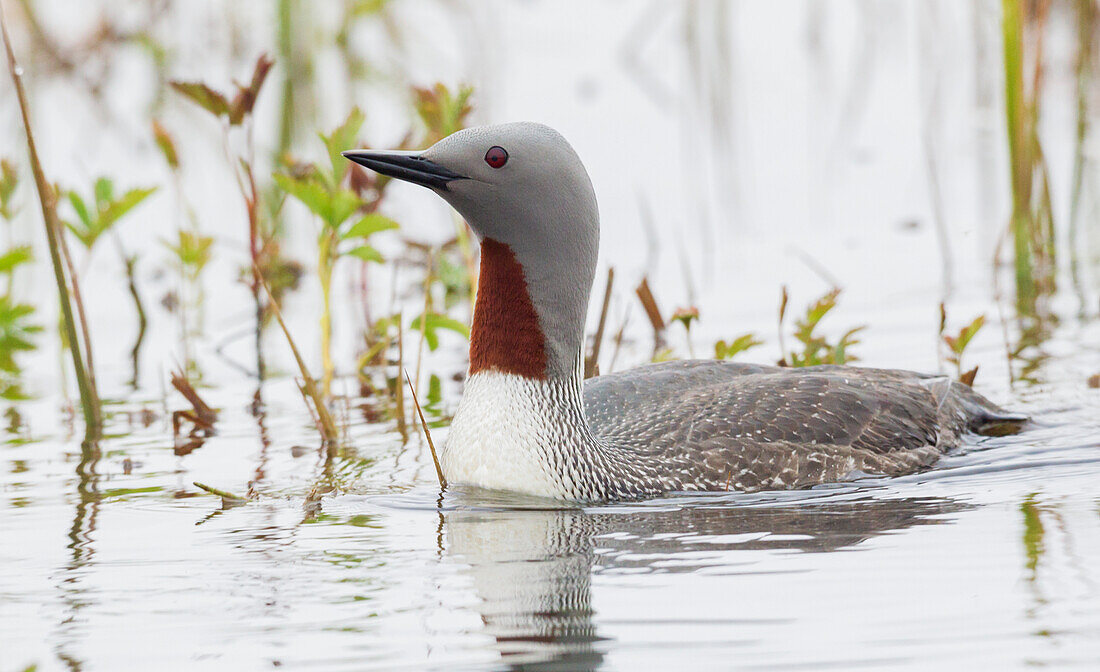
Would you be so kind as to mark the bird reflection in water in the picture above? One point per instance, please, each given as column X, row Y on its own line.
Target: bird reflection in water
column 532, row 569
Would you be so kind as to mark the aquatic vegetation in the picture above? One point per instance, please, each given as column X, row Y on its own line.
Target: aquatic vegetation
column 442, row 112
column 17, row 332
column 427, row 433
column 201, row 416
column 191, row 253
column 592, row 359
column 91, row 223
column 686, row 316
column 105, row 211
column 724, row 350
column 816, row 349
column 956, row 345
column 67, row 285
column 17, row 327
column 329, row 194
column 263, row 245
column 1032, row 221
column 431, row 322
column 9, row 178
column 308, row 386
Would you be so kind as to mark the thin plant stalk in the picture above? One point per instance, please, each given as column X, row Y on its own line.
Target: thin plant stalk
column 131, row 279
column 1086, row 15
column 79, row 301
column 324, row 419
column 1031, row 222
column 424, row 316
column 399, row 391
column 427, row 433
column 47, row 196
column 591, row 364
column 325, row 263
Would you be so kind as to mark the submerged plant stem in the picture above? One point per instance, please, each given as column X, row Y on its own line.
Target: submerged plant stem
column 47, row 196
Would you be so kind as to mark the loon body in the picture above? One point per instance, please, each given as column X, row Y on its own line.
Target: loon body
column 528, row 422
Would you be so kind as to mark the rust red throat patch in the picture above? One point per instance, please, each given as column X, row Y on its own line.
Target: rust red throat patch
column 506, row 335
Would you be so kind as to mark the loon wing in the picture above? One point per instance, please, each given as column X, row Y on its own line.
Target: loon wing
column 711, row 403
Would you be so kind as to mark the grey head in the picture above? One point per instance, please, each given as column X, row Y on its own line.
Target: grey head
column 520, row 184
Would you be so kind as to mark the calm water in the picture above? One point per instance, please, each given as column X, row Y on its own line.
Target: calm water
column 117, row 562
column 816, row 147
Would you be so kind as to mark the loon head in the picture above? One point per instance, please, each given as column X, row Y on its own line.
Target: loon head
column 529, row 200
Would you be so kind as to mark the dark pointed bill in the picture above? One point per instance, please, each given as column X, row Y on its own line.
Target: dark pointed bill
column 407, row 166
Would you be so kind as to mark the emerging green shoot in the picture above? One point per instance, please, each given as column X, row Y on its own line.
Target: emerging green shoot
column 105, row 211
column 956, row 345
column 816, row 348
column 724, row 350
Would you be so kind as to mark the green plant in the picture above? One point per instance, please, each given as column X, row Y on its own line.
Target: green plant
column 106, row 210
column 345, row 231
column 816, row 348
column 686, row 316
column 92, row 223
column 17, row 329
column 441, row 111
column 263, row 244
column 956, row 345
column 327, row 193
column 1032, row 222
column 67, row 287
column 8, row 181
column 724, row 350
column 433, row 322
column 192, row 252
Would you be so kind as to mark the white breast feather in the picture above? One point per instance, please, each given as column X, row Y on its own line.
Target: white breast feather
column 500, row 436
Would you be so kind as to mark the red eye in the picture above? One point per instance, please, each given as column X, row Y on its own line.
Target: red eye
column 496, row 157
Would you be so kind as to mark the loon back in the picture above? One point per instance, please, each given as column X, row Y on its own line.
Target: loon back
column 752, row 427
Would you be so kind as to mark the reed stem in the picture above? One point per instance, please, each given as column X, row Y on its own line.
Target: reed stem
column 47, row 196
column 324, row 419
column 427, row 433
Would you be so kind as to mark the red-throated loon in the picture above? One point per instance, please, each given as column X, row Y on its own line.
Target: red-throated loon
column 527, row 421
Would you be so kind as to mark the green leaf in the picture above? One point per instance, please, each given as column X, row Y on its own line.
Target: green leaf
column 370, row 225
column 81, row 210
column 166, row 145
column 307, row 190
column 16, row 333
column 104, row 193
column 16, row 256
column 723, row 350
column 193, row 250
column 341, row 138
column 204, row 96
column 968, row 332
column 343, row 204
column 116, row 209
column 434, row 322
column 367, row 253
